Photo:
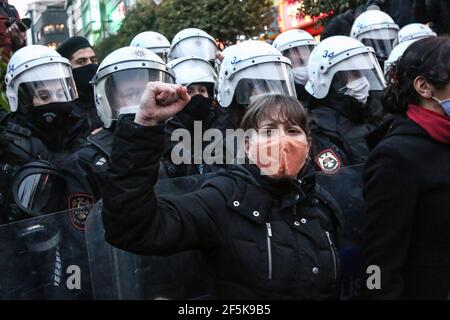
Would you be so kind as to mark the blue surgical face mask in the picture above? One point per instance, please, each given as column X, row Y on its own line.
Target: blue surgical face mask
column 445, row 104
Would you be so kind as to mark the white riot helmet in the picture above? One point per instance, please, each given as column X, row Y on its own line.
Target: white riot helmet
column 121, row 80
column 252, row 68
column 338, row 61
column 414, row 31
column 193, row 42
column 376, row 29
column 396, row 54
column 194, row 70
column 38, row 75
column 153, row 41
column 296, row 45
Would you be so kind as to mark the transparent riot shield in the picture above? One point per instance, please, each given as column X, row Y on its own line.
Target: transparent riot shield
column 346, row 186
column 44, row 258
column 116, row 274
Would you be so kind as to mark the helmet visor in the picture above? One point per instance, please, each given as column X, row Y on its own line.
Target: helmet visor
column 125, row 88
column 361, row 65
column 198, row 47
column 262, row 79
column 382, row 41
column 194, row 71
column 342, row 78
column 46, row 84
column 299, row 56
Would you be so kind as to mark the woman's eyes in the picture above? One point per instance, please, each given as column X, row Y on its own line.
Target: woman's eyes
column 294, row 131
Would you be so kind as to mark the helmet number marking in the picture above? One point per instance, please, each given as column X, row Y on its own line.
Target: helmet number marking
column 235, row 60
column 328, row 54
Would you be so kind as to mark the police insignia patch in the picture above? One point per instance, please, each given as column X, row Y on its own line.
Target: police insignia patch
column 79, row 206
column 328, row 161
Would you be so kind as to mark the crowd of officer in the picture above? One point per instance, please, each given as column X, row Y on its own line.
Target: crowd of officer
column 377, row 96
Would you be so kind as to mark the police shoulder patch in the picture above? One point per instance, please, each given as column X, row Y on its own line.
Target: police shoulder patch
column 328, row 161
column 79, row 208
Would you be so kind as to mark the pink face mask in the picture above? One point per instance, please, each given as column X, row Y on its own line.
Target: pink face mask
column 280, row 156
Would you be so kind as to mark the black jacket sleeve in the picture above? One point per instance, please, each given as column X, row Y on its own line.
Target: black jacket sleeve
column 134, row 217
column 390, row 192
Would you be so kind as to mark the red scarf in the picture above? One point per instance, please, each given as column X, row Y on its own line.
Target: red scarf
column 435, row 124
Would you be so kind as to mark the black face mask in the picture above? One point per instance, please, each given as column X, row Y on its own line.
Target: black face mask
column 50, row 117
column 198, row 107
column 82, row 77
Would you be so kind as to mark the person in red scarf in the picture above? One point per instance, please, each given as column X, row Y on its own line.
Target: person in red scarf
column 407, row 181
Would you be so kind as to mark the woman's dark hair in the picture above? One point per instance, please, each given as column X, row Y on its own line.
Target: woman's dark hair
column 428, row 57
column 287, row 110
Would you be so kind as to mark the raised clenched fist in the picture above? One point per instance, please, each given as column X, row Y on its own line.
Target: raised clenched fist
column 160, row 102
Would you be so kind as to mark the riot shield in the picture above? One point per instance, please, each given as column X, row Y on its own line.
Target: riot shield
column 44, row 258
column 117, row 274
column 346, row 186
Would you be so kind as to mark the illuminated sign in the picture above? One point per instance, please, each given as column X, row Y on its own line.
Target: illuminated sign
column 289, row 18
column 288, row 15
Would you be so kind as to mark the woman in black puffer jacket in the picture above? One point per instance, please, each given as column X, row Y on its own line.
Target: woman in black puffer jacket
column 267, row 232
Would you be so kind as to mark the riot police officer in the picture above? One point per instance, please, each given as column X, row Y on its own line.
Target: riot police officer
column 378, row 30
column 202, row 113
column 153, row 41
column 118, row 86
column 414, row 31
column 195, row 42
column 41, row 93
column 250, row 69
column 297, row 45
column 342, row 72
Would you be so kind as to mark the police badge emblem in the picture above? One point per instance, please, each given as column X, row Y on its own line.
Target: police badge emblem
column 328, row 161
column 79, row 207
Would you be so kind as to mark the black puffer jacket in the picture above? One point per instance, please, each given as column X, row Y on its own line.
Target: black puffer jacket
column 270, row 241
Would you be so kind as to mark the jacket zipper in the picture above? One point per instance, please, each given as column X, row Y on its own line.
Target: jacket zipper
column 269, row 248
column 333, row 254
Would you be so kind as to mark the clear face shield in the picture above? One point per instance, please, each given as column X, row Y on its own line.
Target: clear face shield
column 124, row 89
column 263, row 79
column 46, row 84
column 361, row 73
column 382, row 41
column 299, row 56
column 195, row 46
column 194, row 71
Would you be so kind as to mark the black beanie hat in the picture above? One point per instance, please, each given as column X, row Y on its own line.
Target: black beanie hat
column 72, row 45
